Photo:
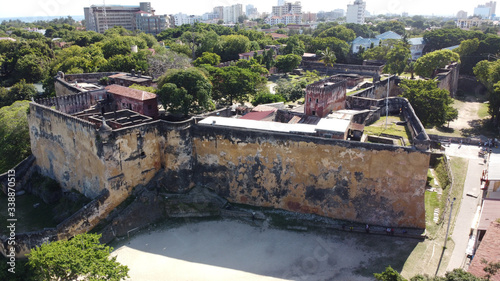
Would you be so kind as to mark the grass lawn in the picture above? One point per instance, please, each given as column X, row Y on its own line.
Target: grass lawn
column 426, row 255
column 378, row 128
column 483, row 111
column 28, row 217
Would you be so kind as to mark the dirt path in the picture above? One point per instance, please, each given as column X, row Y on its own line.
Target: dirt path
column 231, row 250
column 467, row 113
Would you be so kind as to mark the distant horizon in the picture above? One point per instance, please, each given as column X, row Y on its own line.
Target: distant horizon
column 63, row 8
column 43, row 18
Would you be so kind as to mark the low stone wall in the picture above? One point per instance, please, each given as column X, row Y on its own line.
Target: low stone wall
column 80, row 222
column 366, row 70
column 396, row 105
column 20, row 170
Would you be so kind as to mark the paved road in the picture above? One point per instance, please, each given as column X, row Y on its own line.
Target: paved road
column 469, row 204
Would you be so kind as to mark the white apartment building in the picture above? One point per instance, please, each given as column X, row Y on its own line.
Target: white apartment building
column 99, row 18
column 287, row 8
column 356, row 12
column 232, row 13
column 180, row 19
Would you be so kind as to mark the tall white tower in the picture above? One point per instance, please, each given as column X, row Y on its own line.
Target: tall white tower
column 356, row 12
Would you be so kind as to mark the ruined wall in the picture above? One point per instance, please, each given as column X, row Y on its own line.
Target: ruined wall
column 325, row 96
column 80, row 222
column 337, row 68
column 379, row 89
column 448, row 78
column 359, row 182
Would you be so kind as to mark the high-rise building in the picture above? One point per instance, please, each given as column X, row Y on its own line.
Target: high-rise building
column 219, row 10
column 493, row 6
column 461, row 15
column 287, row 8
column 250, row 10
column 232, row 13
column 356, row 12
column 486, row 11
column 98, row 18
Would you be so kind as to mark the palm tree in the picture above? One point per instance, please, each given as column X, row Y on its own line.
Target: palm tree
column 328, row 58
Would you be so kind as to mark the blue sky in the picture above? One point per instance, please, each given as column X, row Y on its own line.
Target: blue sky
column 32, row 8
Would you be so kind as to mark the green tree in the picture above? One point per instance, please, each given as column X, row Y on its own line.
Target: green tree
column 489, row 75
column 191, row 94
column 288, row 90
column 397, row 59
column 432, row 105
column 22, row 91
column 426, row 65
column 287, row 63
column 231, row 46
column 328, row 58
column 266, row 97
column 341, row 32
column 207, row 58
column 175, row 100
column 234, row 83
column 340, row 47
column 81, row 258
column 389, row 275
column 14, row 135
column 294, row 46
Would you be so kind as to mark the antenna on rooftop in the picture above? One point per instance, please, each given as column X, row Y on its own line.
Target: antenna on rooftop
column 105, row 19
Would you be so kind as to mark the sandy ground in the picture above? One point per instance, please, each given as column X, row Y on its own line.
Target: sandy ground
column 466, row 114
column 231, row 250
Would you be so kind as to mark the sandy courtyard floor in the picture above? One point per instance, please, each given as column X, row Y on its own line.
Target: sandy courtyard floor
column 231, row 250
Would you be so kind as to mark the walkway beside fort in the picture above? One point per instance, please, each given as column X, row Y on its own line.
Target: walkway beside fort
column 471, row 198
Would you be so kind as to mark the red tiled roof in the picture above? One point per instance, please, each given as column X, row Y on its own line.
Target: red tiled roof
column 490, row 213
column 257, row 115
column 262, row 107
column 117, row 75
column 489, row 249
column 129, row 92
column 277, row 35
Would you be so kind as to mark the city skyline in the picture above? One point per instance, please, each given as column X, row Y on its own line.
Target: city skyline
column 31, row 8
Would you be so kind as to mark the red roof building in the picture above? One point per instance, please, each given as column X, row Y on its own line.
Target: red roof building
column 489, row 250
column 260, row 115
column 143, row 102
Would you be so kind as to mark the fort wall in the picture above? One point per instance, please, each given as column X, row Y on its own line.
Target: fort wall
column 448, row 78
column 359, row 182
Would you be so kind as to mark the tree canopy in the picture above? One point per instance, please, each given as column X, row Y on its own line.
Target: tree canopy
column 397, row 58
column 287, row 63
column 185, row 91
column 81, row 258
column 432, row 105
column 426, row 65
column 489, row 74
column 14, row 135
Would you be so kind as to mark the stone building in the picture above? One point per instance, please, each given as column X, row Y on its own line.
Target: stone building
column 143, row 102
column 325, row 96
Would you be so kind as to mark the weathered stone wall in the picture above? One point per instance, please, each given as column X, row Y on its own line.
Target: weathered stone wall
column 80, row 222
column 66, row 150
column 354, row 181
column 337, row 68
column 379, row 89
column 448, row 78
column 78, row 156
